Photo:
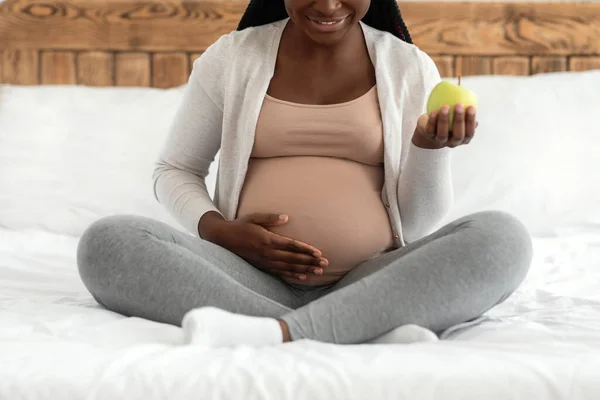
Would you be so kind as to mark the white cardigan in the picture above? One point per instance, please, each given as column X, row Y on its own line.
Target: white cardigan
column 220, row 110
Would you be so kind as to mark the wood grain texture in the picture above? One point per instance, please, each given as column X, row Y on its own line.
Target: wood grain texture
column 158, row 25
column 157, row 41
column 95, row 68
column 19, row 67
column 192, row 25
column 170, row 70
column 473, row 65
column 193, row 57
column 548, row 64
column 132, row 69
column 511, row 66
column 445, row 65
column 58, row 68
column 505, row 28
column 584, row 63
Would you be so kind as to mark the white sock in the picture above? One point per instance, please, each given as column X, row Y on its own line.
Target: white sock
column 406, row 334
column 213, row 327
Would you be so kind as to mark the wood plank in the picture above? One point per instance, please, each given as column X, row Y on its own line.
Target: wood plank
column 132, row 69
column 445, row 65
column 511, row 66
column 95, row 68
column 119, row 25
column 58, row 68
column 460, row 28
column 19, row 67
column 473, row 65
column 548, row 64
column 510, row 28
column 193, row 58
column 169, row 70
column 584, row 63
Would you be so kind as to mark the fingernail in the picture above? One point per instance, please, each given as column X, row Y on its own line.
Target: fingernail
column 317, row 271
column 302, row 277
column 445, row 110
column 471, row 111
column 316, row 255
column 459, row 108
column 323, row 263
column 282, row 217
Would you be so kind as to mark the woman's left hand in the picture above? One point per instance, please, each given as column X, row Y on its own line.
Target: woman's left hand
column 434, row 130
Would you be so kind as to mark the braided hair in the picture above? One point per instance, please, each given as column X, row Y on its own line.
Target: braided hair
column 383, row 15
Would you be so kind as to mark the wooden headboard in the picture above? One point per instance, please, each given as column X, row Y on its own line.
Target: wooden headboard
column 154, row 42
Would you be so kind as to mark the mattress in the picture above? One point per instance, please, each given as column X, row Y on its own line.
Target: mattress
column 57, row 343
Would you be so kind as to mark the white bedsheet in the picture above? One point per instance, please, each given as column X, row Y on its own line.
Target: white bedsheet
column 56, row 343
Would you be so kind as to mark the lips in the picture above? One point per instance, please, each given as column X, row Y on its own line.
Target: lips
column 327, row 23
column 327, row 20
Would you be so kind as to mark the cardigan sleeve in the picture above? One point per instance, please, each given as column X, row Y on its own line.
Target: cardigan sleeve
column 425, row 192
column 193, row 141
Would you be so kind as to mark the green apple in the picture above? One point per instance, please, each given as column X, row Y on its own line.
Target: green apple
column 449, row 94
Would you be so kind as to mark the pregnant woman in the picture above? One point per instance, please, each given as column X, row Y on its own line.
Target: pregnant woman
column 331, row 184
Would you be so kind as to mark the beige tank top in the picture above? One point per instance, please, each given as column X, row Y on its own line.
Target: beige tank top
column 323, row 166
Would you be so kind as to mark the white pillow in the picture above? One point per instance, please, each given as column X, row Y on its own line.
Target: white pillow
column 70, row 155
column 537, row 150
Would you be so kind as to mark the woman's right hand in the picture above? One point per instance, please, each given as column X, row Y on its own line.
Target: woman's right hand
column 249, row 238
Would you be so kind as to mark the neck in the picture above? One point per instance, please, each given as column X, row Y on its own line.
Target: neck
column 300, row 45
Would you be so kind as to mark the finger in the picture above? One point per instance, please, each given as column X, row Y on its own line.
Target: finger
column 288, row 274
column 458, row 126
column 422, row 125
column 470, row 123
column 431, row 124
column 443, row 122
column 297, row 268
column 313, row 271
column 283, row 266
column 278, row 272
column 281, row 269
column 266, row 219
column 285, row 243
column 291, row 257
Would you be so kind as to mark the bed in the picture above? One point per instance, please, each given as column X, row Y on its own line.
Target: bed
column 84, row 81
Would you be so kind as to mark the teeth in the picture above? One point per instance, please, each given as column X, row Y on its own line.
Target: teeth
column 328, row 23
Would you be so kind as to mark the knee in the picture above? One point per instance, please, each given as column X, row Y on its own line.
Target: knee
column 100, row 238
column 505, row 241
column 100, row 251
column 502, row 224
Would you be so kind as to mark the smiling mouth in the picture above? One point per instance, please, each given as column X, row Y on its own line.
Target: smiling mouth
column 327, row 22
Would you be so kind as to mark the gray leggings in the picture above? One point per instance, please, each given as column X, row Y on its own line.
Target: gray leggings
column 140, row 267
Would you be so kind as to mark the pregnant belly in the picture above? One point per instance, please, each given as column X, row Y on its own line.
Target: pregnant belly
column 334, row 205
